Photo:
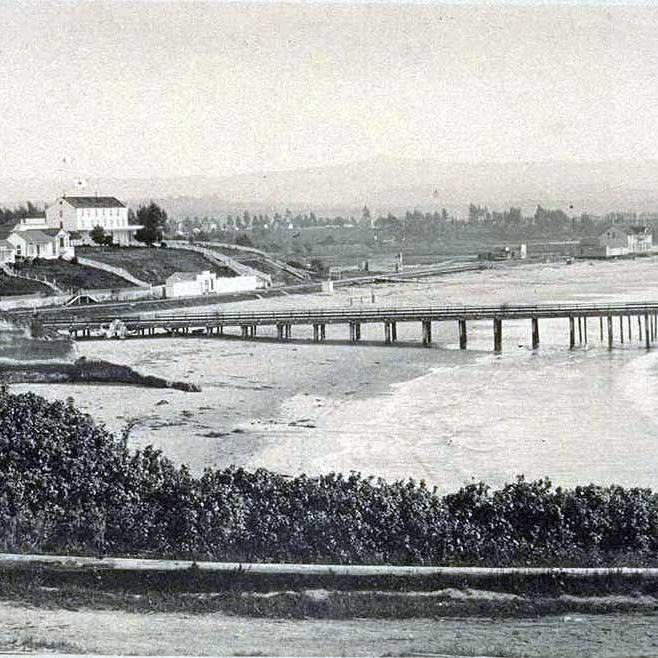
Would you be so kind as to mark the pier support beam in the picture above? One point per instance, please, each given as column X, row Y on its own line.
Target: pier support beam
column 316, row 333
column 610, row 333
column 498, row 335
column 535, row 333
column 280, row 328
column 580, row 330
column 647, row 339
column 245, row 331
column 323, row 332
column 463, row 338
column 572, row 332
column 394, row 331
column 621, row 329
column 585, row 329
column 601, row 328
column 355, row 331
column 387, row 333
column 630, row 330
column 427, row 332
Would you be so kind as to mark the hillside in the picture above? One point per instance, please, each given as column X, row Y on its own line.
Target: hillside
column 70, row 276
column 10, row 287
column 153, row 265
column 386, row 184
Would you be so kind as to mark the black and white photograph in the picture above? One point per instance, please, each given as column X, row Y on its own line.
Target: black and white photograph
column 329, row 328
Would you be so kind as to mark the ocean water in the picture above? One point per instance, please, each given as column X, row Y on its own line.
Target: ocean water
column 576, row 417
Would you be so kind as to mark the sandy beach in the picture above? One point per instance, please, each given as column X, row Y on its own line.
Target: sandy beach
column 439, row 414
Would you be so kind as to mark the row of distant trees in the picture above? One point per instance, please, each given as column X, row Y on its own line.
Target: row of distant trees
column 415, row 226
column 414, row 221
column 12, row 215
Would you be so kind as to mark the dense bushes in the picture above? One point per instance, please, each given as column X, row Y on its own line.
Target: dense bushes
column 69, row 485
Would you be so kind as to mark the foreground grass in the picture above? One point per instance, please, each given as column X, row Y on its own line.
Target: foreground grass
column 326, row 604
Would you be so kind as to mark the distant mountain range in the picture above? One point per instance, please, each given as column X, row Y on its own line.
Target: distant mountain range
column 384, row 185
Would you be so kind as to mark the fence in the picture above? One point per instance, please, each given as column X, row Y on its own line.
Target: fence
column 106, row 295
column 50, row 283
column 226, row 261
column 112, row 269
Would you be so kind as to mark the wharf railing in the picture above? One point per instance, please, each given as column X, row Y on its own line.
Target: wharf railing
column 248, row 321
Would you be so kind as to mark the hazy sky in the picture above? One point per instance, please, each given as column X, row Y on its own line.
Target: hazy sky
column 158, row 89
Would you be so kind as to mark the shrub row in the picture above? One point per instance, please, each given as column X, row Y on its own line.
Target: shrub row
column 67, row 485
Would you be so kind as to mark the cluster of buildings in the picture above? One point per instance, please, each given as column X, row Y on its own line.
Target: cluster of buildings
column 69, row 222
column 617, row 240
column 65, row 224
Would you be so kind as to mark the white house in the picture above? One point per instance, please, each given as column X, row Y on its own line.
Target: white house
column 618, row 240
column 80, row 214
column 191, row 284
column 31, row 237
column 42, row 243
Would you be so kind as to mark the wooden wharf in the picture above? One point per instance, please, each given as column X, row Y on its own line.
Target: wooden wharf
column 625, row 315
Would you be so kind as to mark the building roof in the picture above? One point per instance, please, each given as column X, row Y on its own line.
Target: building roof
column 93, row 201
column 36, row 235
column 53, row 232
column 625, row 228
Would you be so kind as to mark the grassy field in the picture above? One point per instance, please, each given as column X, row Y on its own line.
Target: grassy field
column 10, row 286
column 71, row 276
column 153, row 265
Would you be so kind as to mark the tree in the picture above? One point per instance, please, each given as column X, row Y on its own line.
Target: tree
column 244, row 240
column 98, row 235
column 153, row 220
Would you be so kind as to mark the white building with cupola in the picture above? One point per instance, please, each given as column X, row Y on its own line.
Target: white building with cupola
column 80, row 214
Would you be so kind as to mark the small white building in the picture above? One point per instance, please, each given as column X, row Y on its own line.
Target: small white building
column 80, row 214
column 31, row 237
column 192, row 284
column 617, row 240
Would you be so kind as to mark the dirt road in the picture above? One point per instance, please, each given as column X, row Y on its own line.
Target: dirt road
column 111, row 632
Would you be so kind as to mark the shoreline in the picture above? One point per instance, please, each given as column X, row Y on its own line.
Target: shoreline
column 84, row 371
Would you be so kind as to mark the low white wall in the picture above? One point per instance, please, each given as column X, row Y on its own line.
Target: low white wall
column 183, row 289
column 237, row 284
column 223, row 285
